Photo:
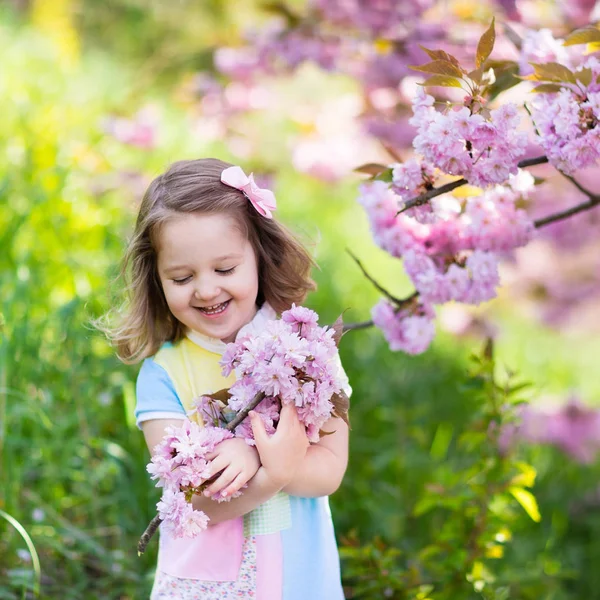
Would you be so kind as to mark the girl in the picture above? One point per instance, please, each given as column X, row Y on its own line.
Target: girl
column 208, row 261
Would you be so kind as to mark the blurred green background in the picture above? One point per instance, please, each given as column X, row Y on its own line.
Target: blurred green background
column 72, row 463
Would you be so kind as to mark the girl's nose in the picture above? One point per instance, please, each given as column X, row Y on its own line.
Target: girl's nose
column 207, row 290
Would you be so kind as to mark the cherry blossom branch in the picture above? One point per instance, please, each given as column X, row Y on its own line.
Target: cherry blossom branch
column 594, row 200
column 355, row 326
column 398, row 301
column 240, row 416
column 156, row 521
column 448, row 187
column 583, row 190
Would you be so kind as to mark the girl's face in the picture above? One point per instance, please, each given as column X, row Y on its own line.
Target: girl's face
column 209, row 274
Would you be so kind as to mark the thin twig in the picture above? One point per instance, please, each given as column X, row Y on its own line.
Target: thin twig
column 432, row 193
column 566, row 213
column 594, row 200
column 148, row 533
column 156, row 521
column 583, row 190
column 397, row 301
column 244, row 412
column 355, row 326
column 448, row 187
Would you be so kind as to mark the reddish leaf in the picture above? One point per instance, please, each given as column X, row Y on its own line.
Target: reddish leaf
column 439, row 67
column 441, row 80
column 552, row 71
column 440, row 55
column 222, row 395
column 341, row 404
column 486, row 44
column 546, row 88
column 338, row 328
column 476, row 75
column 585, row 76
column 371, row 168
column 586, row 35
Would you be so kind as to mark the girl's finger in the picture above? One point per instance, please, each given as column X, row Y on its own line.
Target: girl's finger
column 235, row 486
column 225, row 479
column 217, row 465
column 288, row 418
column 258, row 429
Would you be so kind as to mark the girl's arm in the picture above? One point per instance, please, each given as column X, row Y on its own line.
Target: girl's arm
column 281, row 455
column 322, row 470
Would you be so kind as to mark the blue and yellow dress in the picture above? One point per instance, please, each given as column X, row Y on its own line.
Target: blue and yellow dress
column 284, row 549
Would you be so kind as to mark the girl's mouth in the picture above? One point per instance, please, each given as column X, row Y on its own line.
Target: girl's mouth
column 215, row 310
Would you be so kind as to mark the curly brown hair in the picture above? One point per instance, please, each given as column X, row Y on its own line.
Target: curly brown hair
column 194, row 186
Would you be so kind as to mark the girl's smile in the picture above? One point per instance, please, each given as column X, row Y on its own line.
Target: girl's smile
column 212, row 312
column 208, row 273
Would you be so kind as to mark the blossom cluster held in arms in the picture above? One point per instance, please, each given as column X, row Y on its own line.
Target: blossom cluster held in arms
column 180, row 465
column 292, row 360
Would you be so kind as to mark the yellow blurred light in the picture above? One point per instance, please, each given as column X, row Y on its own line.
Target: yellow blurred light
column 383, row 46
column 56, row 19
column 494, row 552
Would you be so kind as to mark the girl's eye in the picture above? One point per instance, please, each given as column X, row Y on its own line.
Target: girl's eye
column 181, row 281
column 225, row 271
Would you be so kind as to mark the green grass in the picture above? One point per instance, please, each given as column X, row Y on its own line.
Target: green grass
column 71, row 461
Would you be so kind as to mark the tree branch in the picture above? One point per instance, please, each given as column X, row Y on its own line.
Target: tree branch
column 355, row 326
column 240, row 416
column 448, row 187
column 579, row 186
column 432, row 193
column 594, row 200
column 381, row 289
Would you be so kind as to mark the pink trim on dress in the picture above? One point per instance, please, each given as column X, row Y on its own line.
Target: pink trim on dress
column 215, row 555
column 269, row 567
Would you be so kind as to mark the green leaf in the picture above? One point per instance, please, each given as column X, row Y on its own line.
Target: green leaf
column 527, row 500
column 506, row 72
column 551, row 71
column 526, row 478
column 439, row 67
column 486, row 44
column 387, row 176
column 441, row 441
column 424, row 505
column 32, row 551
column 547, row 88
column 586, row 35
column 441, row 80
column 440, row 55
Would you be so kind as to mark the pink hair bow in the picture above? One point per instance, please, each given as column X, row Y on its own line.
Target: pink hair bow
column 263, row 200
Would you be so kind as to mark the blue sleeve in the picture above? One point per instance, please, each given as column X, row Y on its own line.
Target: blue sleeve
column 155, row 394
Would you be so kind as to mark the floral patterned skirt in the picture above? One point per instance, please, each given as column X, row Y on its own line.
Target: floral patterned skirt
column 168, row 587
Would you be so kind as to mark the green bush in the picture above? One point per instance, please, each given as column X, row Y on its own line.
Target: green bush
column 72, row 470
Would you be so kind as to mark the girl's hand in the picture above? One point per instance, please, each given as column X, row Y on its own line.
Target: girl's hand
column 237, row 463
column 282, row 453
